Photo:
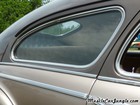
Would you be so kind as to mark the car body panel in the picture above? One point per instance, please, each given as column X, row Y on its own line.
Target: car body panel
column 21, row 81
column 112, row 58
column 49, row 77
column 22, row 94
column 129, row 95
column 116, row 85
column 4, row 100
column 28, row 83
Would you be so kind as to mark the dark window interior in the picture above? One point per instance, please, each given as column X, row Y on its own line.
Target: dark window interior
column 131, row 59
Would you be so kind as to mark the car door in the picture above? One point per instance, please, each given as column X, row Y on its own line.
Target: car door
column 118, row 82
column 56, row 62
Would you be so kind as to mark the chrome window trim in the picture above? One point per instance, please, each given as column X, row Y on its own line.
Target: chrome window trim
column 62, row 90
column 106, row 9
column 117, row 80
column 83, row 74
column 120, row 55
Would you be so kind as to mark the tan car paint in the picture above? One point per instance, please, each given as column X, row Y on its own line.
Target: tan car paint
column 110, row 90
column 26, row 94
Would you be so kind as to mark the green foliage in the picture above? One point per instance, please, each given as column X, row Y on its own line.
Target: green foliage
column 12, row 10
column 35, row 3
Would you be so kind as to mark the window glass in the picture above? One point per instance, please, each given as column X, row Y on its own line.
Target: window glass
column 131, row 58
column 78, row 41
column 135, row 45
column 61, row 29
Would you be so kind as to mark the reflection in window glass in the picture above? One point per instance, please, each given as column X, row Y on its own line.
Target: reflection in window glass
column 77, row 42
column 135, row 45
column 61, row 29
column 131, row 59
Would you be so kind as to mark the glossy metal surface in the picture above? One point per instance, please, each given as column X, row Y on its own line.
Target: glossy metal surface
column 26, row 83
column 26, row 79
column 46, row 86
column 119, row 81
column 23, row 94
column 4, row 100
column 111, row 90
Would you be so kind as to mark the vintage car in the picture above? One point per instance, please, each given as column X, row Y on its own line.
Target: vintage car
column 72, row 52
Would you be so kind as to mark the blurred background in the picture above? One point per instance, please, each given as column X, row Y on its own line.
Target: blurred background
column 12, row 10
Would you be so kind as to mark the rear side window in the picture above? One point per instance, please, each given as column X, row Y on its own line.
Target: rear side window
column 77, row 41
column 130, row 61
